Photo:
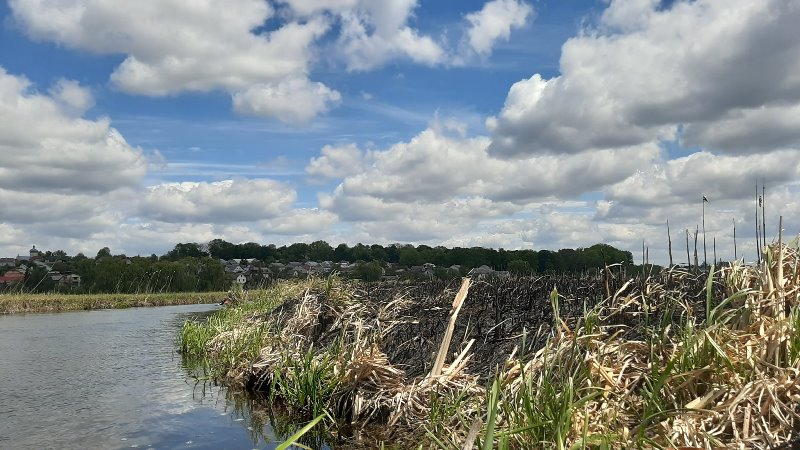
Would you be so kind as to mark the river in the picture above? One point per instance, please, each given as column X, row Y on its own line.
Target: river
column 111, row 379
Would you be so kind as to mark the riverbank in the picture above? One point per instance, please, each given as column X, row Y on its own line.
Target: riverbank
column 678, row 359
column 39, row 303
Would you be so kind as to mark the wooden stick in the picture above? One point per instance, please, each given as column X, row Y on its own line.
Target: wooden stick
column 696, row 232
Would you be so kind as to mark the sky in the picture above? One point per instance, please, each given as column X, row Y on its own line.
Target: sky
column 516, row 124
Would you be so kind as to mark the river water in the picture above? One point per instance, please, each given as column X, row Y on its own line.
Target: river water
column 111, row 379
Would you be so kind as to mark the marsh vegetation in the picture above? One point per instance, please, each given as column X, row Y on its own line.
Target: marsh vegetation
column 678, row 358
column 19, row 302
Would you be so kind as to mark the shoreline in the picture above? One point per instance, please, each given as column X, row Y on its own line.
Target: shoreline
column 597, row 362
column 50, row 303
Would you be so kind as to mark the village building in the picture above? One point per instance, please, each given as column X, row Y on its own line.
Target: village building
column 13, row 276
column 68, row 279
column 8, row 262
column 481, row 272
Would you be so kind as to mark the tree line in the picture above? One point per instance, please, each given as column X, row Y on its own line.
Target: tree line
column 541, row 261
column 197, row 267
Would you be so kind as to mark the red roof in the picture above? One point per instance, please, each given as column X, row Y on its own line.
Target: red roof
column 12, row 277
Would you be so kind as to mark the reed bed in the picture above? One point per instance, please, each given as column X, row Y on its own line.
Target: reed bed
column 678, row 359
column 18, row 303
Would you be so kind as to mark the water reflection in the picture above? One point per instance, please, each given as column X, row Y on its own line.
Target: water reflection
column 112, row 380
column 262, row 418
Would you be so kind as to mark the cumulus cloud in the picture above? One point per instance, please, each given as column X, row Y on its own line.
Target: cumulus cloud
column 645, row 71
column 10, row 235
column 299, row 222
column 438, row 164
column 30, row 207
column 72, row 96
column 175, row 46
column 293, row 100
column 218, row 202
column 450, row 186
column 494, row 22
column 45, row 147
column 375, row 32
column 261, row 57
column 721, row 177
column 749, row 130
column 387, row 220
column 336, row 162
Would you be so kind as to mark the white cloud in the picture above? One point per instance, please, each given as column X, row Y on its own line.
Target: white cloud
column 650, row 71
column 748, row 130
column 336, row 162
column 719, row 177
column 375, row 32
column 72, row 96
column 494, row 22
column 441, row 163
column 10, row 235
column 292, row 100
column 172, row 46
column 31, row 207
column 227, row 201
column 308, row 8
column 451, row 187
column 299, row 222
column 46, row 148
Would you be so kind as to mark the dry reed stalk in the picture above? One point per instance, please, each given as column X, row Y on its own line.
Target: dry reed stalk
column 448, row 334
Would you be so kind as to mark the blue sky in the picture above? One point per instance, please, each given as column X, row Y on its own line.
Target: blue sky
column 503, row 123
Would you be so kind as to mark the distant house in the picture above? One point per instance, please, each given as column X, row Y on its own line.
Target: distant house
column 66, row 278
column 241, row 279
column 481, row 272
column 72, row 279
column 13, row 276
column 7, row 262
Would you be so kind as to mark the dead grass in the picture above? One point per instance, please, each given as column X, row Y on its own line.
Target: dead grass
column 38, row 303
column 680, row 360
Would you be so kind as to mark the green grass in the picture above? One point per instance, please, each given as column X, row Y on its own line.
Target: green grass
column 38, row 303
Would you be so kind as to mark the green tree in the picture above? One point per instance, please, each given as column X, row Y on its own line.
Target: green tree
column 211, row 275
column 409, row 256
column 369, row 271
column 320, row 251
column 342, row 253
column 519, row 267
column 219, row 248
column 189, row 250
column 37, row 279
